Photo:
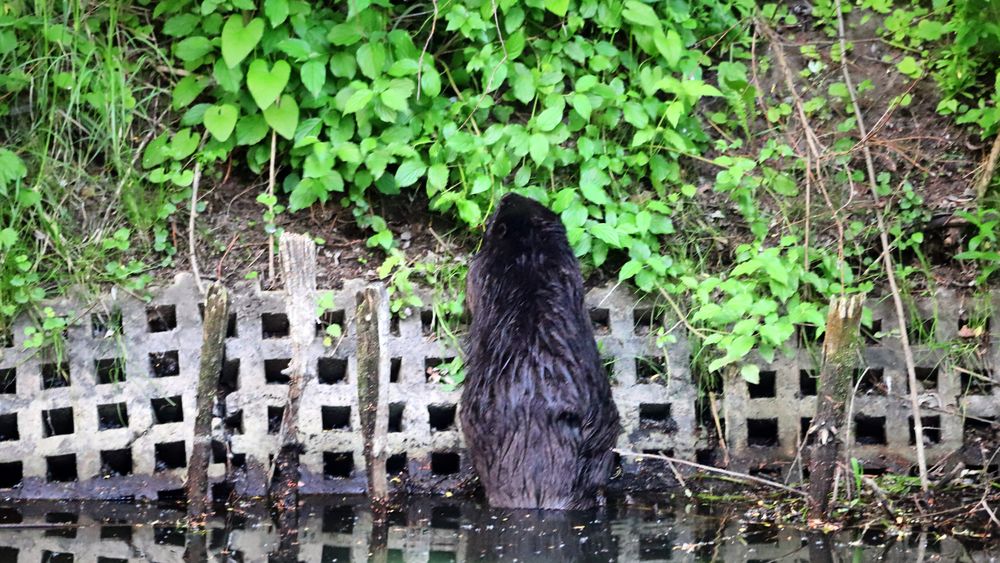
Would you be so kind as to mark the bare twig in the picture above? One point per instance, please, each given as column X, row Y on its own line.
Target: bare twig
column 191, row 238
column 710, row 469
column 989, row 168
column 420, row 61
column 904, row 339
column 270, row 191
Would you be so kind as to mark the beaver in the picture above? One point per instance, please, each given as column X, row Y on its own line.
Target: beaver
column 537, row 413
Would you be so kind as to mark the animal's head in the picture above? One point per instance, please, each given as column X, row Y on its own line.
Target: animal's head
column 520, row 220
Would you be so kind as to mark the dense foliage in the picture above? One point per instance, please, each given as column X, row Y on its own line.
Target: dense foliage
column 639, row 122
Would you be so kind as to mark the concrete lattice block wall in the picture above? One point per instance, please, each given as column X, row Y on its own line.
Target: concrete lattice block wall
column 112, row 433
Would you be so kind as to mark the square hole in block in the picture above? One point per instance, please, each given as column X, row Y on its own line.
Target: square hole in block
column 434, row 370
column 869, row 430
column 274, row 371
column 161, row 318
column 651, row 369
column 396, row 464
column 229, row 379
column 56, row 557
column 979, row 429
column 920, row 331
column 170, row 455
column 445, row 463
column 447, row 517
column 67, row 519
column 762, row 432
column 274, row 325
column 8, row 428
column 11, row 474
column 334, row 554
column 60, row 468
column 164, row 364
column 234, row 422
column 117, row 533
column 55, row 375
column 655, row 548
column 329, row 318
column 169, row 535
column 115, row 463
column 646, row 319
column 111, row 416
column 442, row 417
column 600, row 319
column 873, row 334
column 274, row 416
column 338, row 519
column 656, row 416
column 6, row 338
column 927, row 379
column 932, row 430
column 167, row 409
column 872, row 381
column 332, row 370
column 765, row 386
column 427, row 322
column 395, row 364
column 394, row 325
column 804, row 423
column 807, row 336
column 338, row 465
column 976, row 381
column 109, row 370
column 609, row 369
column 336, row 418
column 8, row 381
column 807, row 383
column 239, row 461
column 57, row 422
column 218, row 452
column 171, row 498
column 396, row 416
column 106, row 325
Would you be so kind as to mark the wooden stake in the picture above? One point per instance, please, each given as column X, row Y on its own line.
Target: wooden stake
column 298, row 265
column 373, row 386
column 840, row 356
column 213, row 348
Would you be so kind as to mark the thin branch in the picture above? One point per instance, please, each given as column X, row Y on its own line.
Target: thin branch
column 191, row 238
column 904, row 339
column 710, row 469
column 989, row 169
column 489, row 84
column 270, row 191
column 420, row 61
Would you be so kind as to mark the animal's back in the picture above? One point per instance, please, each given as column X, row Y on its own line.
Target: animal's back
column 536, row 410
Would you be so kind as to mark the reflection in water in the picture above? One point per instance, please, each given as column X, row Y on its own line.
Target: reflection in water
column 444, row 530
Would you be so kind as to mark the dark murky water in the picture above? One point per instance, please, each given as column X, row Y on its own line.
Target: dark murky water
column 445, row 530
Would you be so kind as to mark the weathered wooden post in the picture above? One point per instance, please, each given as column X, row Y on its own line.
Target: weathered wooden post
column 213, row 348
column 840, row 357
column 298, row 266
column 372, row 322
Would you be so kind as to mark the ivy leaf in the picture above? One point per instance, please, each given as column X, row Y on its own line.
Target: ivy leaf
column 640, row 14
column 750, row 373
column 251, row 129
column 192, row 48
column 344, row 34
column 437, row 178
column 606, row 233
column 523, row 84
column 371, row 59
column 265, row 84
column 538, row 147
column 629, row 270
column 186, row 90
column 8, row 237
column 581, row 103
column 358, row 100
column 283, row 116
column 314, row 76
column 469, row 211
column 409, row 172
column 221, row 120
column 910, row 67
column 669, row 45
column 557, row 7
column 397, row 95
column 592, row 182
column 276, row 11
column 635, row 115
column 430, row 82
column 548, row 119
column 238, row 40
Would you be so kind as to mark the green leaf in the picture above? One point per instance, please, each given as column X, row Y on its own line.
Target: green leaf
column 430, row 82
column 221, row 120
column 186, row 90
column 557, row 7
column 283, row 117
column 538, row 147
column 238, row 40
column 548, row 119
column 8, row 237
column 640, row 14
column 192, row 48
column 276, row 11
column 183, row 144
column 371, row 59
column 469, row 211
column 397, row 95
column 265, row 84
column 344, row 34
column 592, row 182
column 910, row 67
column 358, row 100
column 437, row 178
column 409, row 172
column 674, row 112
column 750, row 373
column 314, row 76
column 581, row 103
column 523, row 84
column 635, row 115
column 629, row 270
column 606, row 233
column 251, row 129
column 669, row 45
column 778, row 332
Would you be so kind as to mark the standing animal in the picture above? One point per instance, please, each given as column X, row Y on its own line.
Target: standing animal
column 537, row 413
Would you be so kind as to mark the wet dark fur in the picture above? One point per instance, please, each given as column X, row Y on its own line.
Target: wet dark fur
column 537, row 412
